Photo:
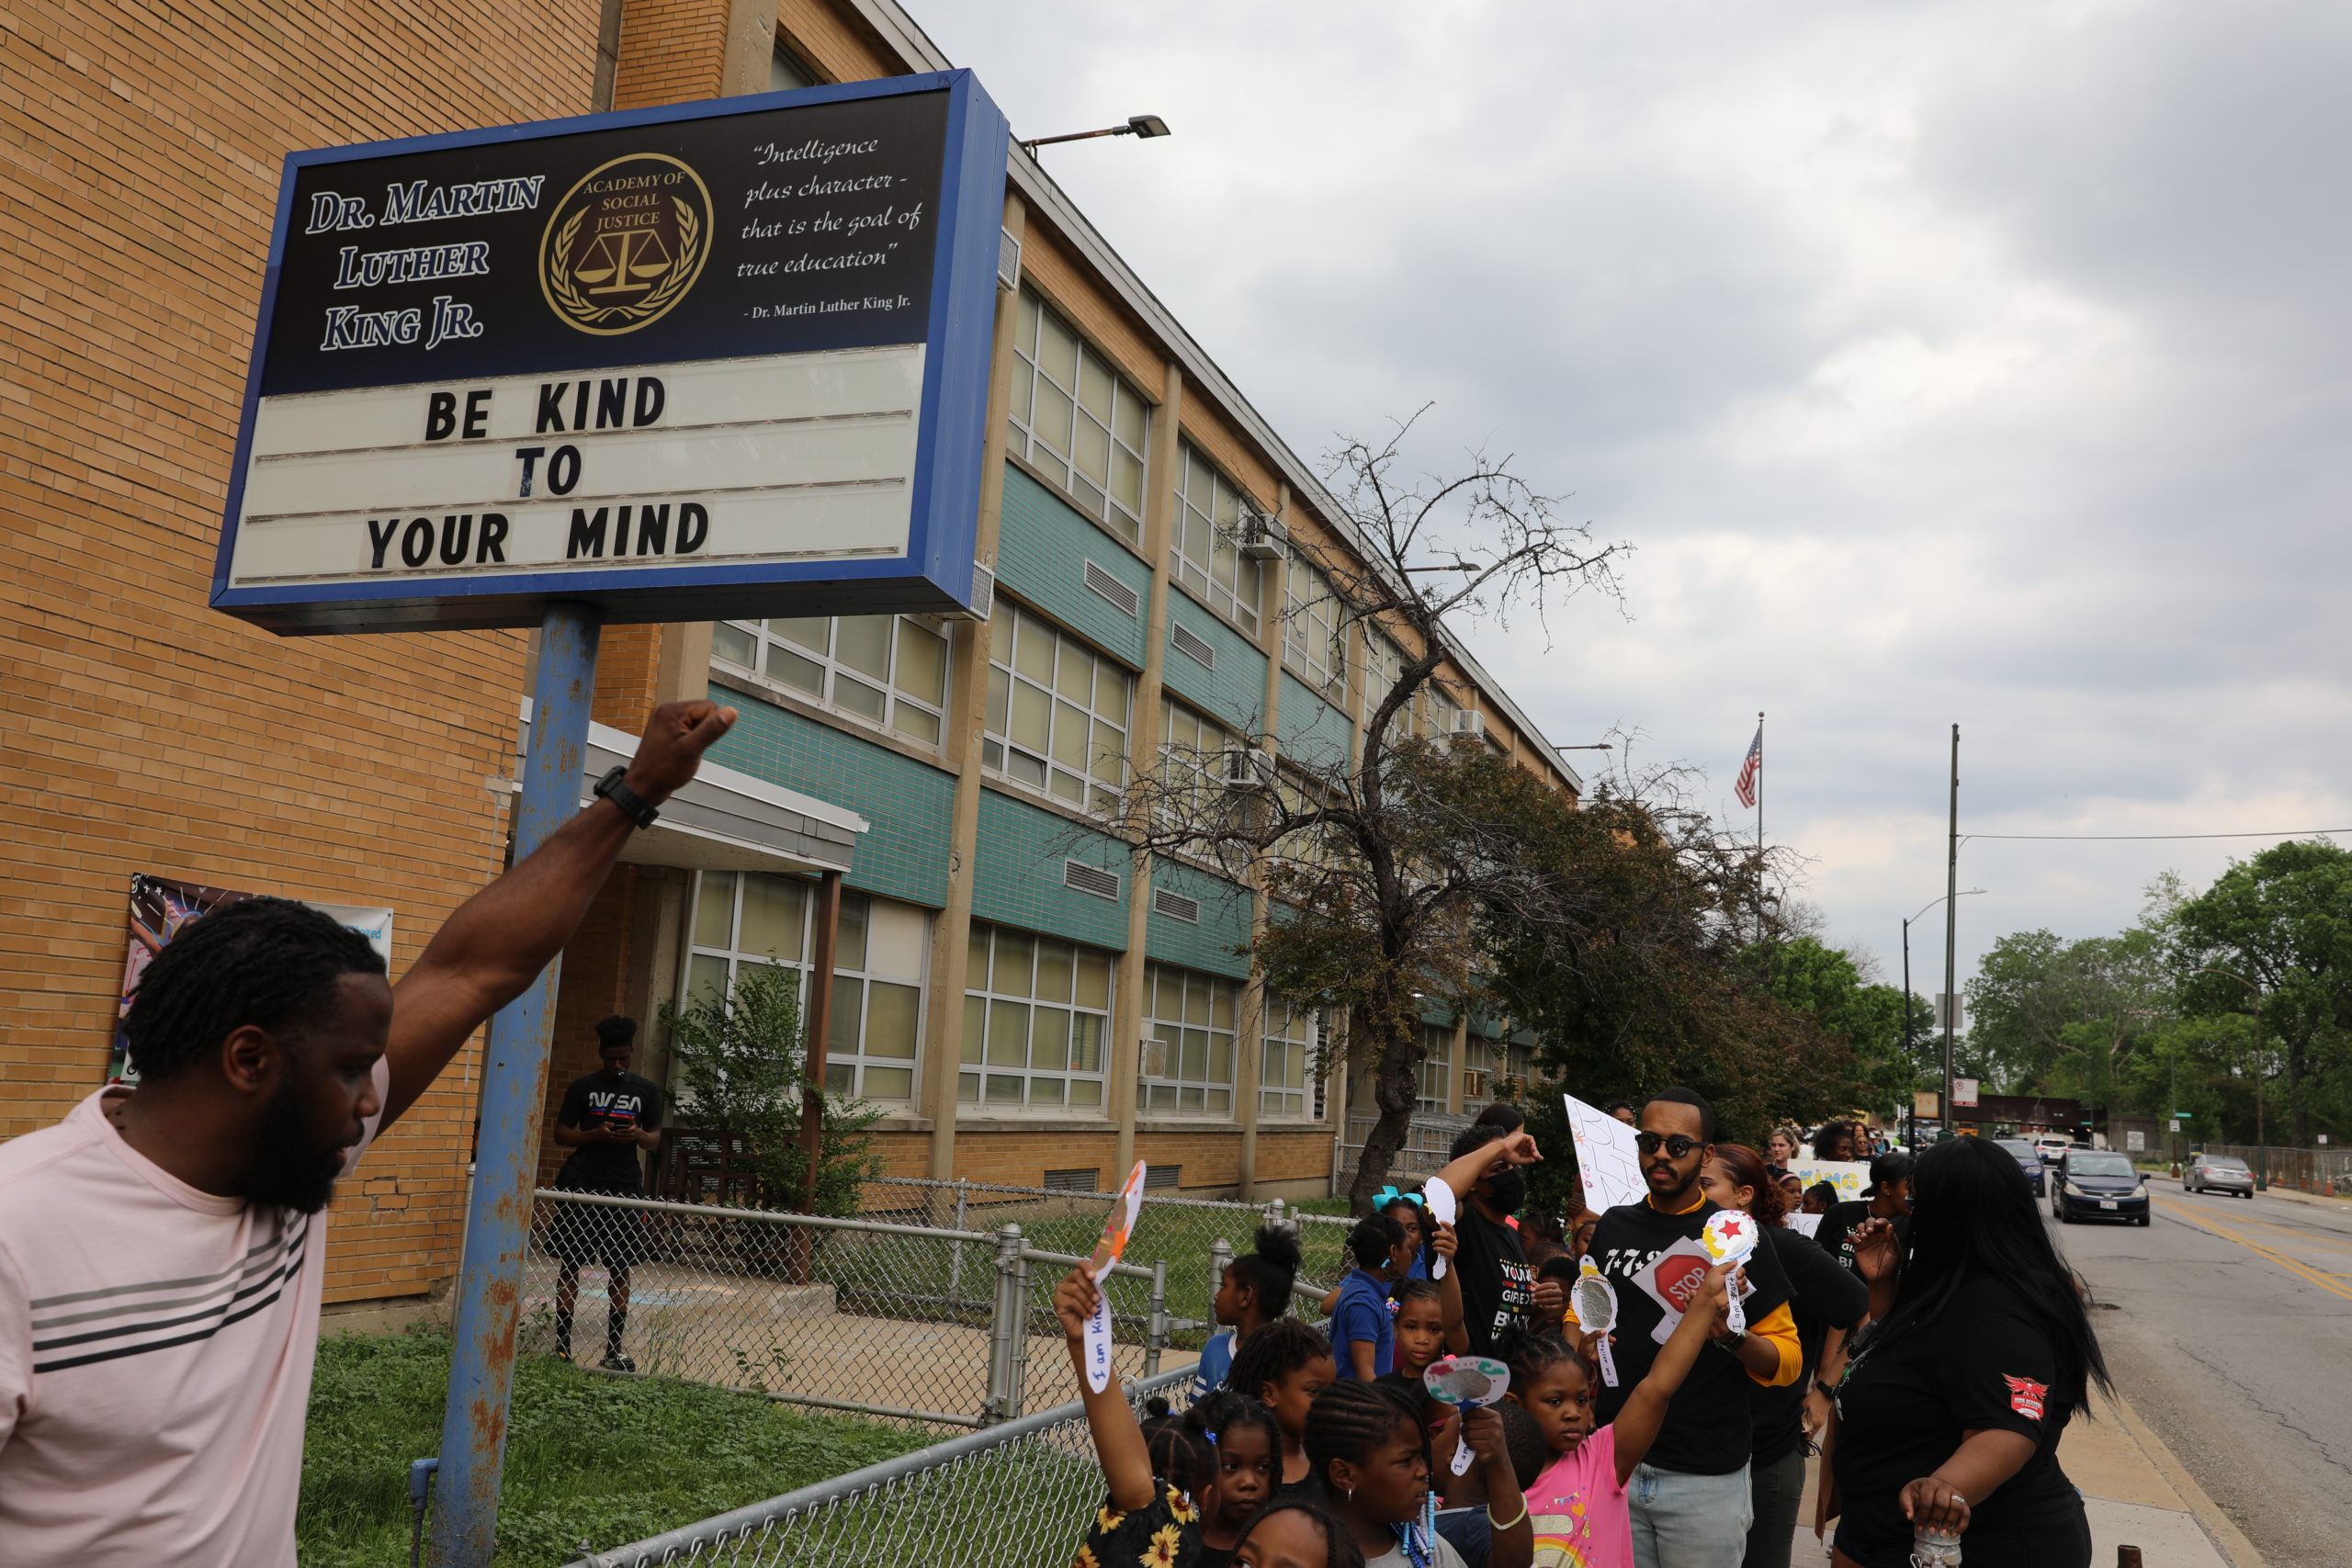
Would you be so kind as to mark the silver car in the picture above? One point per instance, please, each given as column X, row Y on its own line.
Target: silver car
column 2217, row 1173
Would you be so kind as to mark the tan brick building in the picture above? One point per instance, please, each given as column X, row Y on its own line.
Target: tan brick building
column 144, row 734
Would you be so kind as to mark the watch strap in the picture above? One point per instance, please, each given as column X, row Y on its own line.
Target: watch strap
column 633, row 807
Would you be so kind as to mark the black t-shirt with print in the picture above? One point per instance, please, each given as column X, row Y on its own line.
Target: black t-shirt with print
column 1497, row 1286
column 606, row 1167
column 1822, row 1297
column 1987, row 1362
column 1708, row 1424
column 1839, row 1223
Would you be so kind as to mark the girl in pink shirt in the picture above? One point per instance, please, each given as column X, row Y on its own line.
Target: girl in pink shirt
column 1578, row 1501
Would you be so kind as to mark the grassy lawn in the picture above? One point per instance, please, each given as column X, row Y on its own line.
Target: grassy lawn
column 604, row 1460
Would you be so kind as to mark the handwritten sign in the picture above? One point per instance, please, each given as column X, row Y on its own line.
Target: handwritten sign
column 1116, row 1229
column 1607, row 1160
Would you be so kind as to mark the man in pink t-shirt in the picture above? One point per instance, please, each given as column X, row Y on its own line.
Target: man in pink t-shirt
column 162, row 1248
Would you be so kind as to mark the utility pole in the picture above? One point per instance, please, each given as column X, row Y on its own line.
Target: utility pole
column 1910, row 1054
column 1951, row 928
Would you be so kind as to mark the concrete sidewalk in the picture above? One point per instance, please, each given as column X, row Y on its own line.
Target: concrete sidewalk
column 2135, row 1492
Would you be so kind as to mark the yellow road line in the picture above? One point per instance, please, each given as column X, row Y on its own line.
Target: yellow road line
column 2328, row 1282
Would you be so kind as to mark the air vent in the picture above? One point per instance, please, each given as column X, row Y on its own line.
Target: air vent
column 1471, row 724
column 983, row 597
column 1192, row 644
column 1008, row 260
column 1162, row 1178
column 1176, row 907
column 1090, row 879
column 1110, row 588
column 1076, row 1179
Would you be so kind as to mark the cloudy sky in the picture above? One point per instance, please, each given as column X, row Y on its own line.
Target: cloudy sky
column 1977, row 363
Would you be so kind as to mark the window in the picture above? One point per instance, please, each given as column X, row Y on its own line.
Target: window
column 1075, row 419
column 880, row 956
column 1188, row 1041
column 1192, row 751
column 1035, row 1011
column 1286, row 1060
column 784, row 73
column 1519, row 1061
column 1208, row 558
column 1437, row 1067
column 1478, row 1072
column 885, row 669
column 1312, row 634
column 1442, row 709
column 1057, row 711
column 1384, row 668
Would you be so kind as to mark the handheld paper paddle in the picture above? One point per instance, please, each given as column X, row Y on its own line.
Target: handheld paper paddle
column 1107, row 1251
column 1466, row 1382
column 1730, row 1237
column 1595, row 1300
column 1441, row 1200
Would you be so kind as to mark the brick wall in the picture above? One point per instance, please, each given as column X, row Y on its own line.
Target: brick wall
column 140, row 149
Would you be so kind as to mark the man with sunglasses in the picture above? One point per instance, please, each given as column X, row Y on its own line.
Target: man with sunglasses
column 1690, row 1497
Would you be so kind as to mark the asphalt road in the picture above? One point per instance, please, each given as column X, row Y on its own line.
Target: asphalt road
column 2228, row 1326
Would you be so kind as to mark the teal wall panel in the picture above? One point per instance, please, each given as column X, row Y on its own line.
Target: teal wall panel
column 1234, row 691
column 910, row 806
column 1043, row 547
column 1314, row 735
column 1018, row 879
column 1224, row 924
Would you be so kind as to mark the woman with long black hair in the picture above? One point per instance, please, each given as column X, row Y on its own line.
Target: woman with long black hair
column 1950, row 1411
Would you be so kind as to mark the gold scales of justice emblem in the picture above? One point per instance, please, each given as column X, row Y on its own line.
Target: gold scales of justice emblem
column 626, row 243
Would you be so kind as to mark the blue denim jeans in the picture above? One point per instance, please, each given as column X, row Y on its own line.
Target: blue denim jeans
column 1689, row 1521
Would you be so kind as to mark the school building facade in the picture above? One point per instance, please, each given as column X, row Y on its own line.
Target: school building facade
column 1022, row 998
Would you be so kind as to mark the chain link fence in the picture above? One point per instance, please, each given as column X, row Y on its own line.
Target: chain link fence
column 937, row 1325
column 1015, row 1495
column 2325, row 1173
column 1427, row 1148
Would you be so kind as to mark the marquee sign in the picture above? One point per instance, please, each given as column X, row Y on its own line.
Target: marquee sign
column 713, row 360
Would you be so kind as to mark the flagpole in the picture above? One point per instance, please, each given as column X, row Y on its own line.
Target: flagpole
column 1760, row 825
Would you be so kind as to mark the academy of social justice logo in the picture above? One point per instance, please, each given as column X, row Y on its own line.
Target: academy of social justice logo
column 626, row 243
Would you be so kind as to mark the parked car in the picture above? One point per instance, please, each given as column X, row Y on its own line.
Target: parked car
column 2217, row 1173
column 2050, row 1145
column 2029, row 1160
column 2096, row 1184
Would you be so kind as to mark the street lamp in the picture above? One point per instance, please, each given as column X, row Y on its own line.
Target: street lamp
column 1944, row 1101
column 1596, row 745
column 1146, row 126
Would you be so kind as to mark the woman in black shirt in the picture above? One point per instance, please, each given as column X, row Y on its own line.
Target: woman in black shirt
column 1950, row 1411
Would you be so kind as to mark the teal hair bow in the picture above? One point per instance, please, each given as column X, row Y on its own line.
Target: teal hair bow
column 1387, row 1195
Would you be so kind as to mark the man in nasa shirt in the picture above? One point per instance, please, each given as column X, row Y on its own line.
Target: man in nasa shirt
column 606, row 1118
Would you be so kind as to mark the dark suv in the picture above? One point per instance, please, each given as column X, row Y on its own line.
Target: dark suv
column 2097, row 1184
column 2029, row 1160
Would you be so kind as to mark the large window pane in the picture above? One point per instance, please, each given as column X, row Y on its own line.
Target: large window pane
column 1188, row 1060
column 1076, row 419
column 876, row 668
column 1040, row 1052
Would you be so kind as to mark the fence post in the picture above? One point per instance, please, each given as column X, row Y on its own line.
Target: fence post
column 1220, row 1259
column 1155, row 1334
column 1007, row 1324
column 956, row 1249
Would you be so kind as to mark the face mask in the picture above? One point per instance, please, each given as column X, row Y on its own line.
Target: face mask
column 1507, row 1190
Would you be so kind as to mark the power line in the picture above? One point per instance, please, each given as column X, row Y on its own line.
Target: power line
column 2113, row 837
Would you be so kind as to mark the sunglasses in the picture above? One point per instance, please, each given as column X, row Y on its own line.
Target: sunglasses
column 1675, row 1143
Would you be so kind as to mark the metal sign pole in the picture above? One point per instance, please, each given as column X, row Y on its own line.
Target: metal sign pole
column 498, row 1221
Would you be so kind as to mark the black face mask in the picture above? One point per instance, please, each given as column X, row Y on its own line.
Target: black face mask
column 1507, row 1190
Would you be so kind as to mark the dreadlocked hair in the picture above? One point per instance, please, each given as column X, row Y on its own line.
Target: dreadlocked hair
column 1748, row 1169
column 1272, row 1353
column 1226, row 1411
column 1352, row 1417
column 271, row 964
column 1176, row 1457
column 1340, row 1548
column 1373, row 1239
column 1529, row 1355
column 1269, row 1273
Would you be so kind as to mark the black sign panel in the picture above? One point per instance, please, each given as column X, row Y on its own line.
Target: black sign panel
column 776, row 231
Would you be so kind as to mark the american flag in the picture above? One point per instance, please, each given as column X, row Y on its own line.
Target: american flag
column 1746, row 787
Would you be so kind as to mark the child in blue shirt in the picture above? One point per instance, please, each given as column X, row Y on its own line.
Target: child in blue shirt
column 1255, row 1291
column 1364, row 1335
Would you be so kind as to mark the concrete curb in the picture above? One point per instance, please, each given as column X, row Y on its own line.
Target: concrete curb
column 2219, row 1528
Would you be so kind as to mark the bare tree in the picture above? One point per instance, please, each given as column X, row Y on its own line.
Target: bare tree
column 1379, row 857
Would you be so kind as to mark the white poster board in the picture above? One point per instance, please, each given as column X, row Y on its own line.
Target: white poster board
column 1849, row 1176
column 1606, row 1158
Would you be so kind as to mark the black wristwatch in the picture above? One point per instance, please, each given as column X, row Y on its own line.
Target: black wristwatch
column 632, row 804
column 1824, row 1388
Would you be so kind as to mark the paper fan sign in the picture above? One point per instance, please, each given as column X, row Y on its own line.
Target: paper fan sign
column 1442, row 1208
column 1116, row 1229
column 1466, row 1382
column 1730, row 1237
column 1595, row 1300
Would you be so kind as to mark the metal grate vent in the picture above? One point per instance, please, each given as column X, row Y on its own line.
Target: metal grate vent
column 1089, row 1180
column 1008, row 260
column 983, row 597
column 1091, row 879
column 1192, row 643
column 1162, row 1178
column 1110, row 588
column 1176, row 907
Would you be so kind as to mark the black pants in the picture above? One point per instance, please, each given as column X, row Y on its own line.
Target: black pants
column 1778, row 1488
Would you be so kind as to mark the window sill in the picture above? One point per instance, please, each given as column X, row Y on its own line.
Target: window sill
column 1013, row 789
column 1256, row 639
column 1001, row 1121
column 777, row 694
column 1164, row 1122
column 1061, row 493
column 904, row 1122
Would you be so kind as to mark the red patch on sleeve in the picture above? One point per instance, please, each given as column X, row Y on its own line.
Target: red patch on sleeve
column 2026, row 1396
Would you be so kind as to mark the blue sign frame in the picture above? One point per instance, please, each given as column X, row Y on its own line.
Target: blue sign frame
column 937, row 573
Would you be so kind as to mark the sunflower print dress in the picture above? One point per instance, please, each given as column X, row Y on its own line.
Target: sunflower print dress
column 1165, row 1535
